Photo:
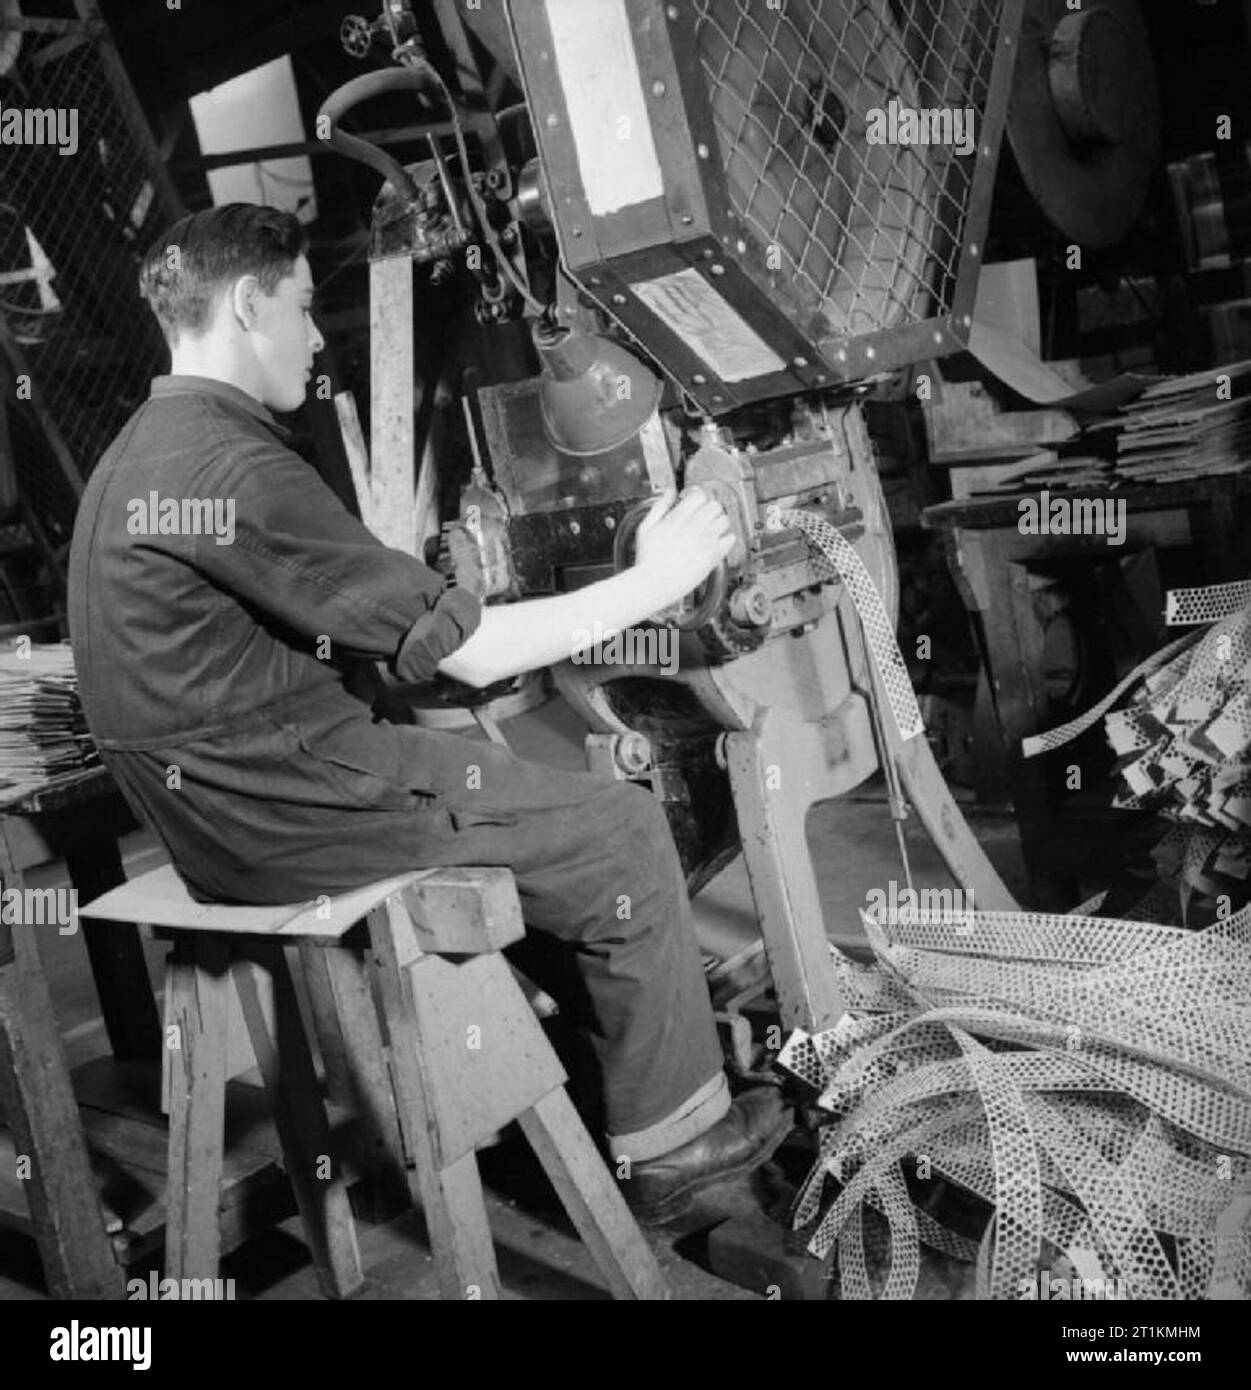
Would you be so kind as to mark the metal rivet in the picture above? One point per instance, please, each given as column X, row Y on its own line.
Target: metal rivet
column 577, row 231
column 575, row 528
column 618, row 299
column 800, row 361
column 552, row 121
column 672, row 12
column 716, row 400
column 658, row 89
column 985, row 151
column 740, row 246
column 870, row 353
column 687, row 219
column 610, row 522
column 973, row 249
column 967, row 320
column 700, row 379
column 702, row 151
column 841, row 354
column 595, row 281
column 938, row 337
column 718, row 269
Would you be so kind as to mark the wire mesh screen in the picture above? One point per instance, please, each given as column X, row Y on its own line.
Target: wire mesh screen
column 73, row 227
column 849, row 133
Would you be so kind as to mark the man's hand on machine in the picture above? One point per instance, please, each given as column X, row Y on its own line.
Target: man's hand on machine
column 678, row 546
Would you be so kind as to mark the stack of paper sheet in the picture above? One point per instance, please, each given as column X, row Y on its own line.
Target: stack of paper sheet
column 42, row 728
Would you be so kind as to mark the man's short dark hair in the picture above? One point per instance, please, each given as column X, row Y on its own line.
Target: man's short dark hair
column 203, row 252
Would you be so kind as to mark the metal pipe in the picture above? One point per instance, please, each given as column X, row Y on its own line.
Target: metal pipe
column 351, row 94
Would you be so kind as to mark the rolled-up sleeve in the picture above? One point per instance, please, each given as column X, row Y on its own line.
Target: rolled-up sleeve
column 296, row 553
column 437, row 634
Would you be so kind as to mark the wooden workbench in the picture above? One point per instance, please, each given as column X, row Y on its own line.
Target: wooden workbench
column 76, row 818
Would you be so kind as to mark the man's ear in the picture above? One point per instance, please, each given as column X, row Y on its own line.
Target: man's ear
column 244, row 297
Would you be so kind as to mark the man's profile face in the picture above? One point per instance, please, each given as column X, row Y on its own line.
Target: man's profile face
column 285, row 339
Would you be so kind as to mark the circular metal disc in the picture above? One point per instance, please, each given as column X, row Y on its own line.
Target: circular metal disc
column 1084, row 117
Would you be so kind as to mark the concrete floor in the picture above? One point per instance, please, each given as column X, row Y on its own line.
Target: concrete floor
column 854, row 849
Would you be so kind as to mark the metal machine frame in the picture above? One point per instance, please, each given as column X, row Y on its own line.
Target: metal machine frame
column 692, row 226
column 808, row 723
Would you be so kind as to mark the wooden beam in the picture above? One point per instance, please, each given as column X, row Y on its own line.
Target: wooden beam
column 392, row 402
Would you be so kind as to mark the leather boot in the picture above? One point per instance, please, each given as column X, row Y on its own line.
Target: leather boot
column 662, row 1189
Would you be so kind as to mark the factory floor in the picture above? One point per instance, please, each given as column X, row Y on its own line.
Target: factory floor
column 854, row 849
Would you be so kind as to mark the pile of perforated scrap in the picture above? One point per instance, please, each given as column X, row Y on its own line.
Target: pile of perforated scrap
column 1182, row 737
column 1085, row 1083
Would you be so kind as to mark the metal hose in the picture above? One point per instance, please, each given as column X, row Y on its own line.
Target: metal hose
column 342, row 99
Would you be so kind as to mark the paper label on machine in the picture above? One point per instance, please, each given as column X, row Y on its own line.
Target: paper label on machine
column 599, row 77
column 715, row 332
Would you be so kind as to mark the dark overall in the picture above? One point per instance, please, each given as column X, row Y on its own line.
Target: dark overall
column 217, row 669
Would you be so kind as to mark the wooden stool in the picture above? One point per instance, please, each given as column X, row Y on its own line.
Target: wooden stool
column 452, row 1053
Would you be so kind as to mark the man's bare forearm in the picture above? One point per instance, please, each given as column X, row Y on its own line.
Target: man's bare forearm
column 517, row 637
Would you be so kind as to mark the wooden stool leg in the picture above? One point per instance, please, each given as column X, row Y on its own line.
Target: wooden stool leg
column 286, row 1064
column 197, row 1112
column 38, row 1103
column 595, row 1206
column 451, row 1198
column 356, row 1065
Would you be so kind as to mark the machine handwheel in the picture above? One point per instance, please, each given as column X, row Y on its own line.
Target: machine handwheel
column 698, row 607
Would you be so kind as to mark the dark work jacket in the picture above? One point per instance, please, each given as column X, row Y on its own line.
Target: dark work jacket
column 217, row 678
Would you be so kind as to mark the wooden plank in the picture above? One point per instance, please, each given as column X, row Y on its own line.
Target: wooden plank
column 392, row 432
column 357, row 1077
column 197, row 1106
column 450, row 1198
column 161, row 898
column 464, row 911
column 294, row 1096
column 484, row 1056
column 592, row 1199
column 38, row 1104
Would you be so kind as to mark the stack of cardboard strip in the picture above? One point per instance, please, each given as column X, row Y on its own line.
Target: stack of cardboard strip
column 43, row 732
column 1186, row 427
column 1179, row 428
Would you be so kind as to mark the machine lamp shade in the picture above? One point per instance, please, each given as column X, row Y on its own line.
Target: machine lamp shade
column 594, row 395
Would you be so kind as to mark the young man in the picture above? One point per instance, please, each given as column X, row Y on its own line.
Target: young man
column 222, row 602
